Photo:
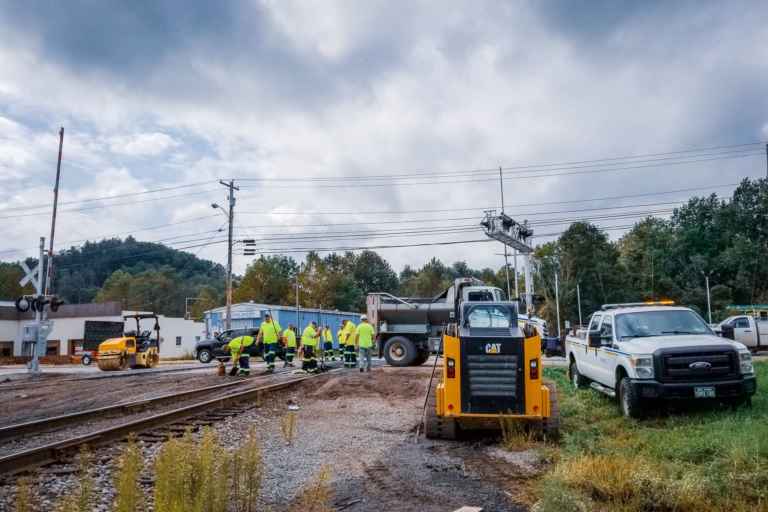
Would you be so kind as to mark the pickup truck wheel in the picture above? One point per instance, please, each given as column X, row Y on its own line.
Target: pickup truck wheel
column 86, row 360
column 629, row 402
column 399, row 351
column 577, row 379
column 204, row 356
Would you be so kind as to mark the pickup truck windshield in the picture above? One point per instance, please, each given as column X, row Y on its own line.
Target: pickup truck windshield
column 642, row 324
column 489, row 316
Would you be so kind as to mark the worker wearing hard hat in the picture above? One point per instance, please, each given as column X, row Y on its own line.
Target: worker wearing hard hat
column 350, row 356
column 238, row 349
column 269, row 334
column 310, row 339
column 289, row 336
column 364, row 334
column 328, row 343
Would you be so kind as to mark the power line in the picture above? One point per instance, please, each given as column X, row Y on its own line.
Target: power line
column 556, row 166
column 106, row 198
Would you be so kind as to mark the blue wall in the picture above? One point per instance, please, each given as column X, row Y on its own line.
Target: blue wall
column 251, row 315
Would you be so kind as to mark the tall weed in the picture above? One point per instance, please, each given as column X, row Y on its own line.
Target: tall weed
column 247, row 473
column 130, row 496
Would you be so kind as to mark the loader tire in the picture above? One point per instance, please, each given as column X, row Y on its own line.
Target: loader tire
column 437, row 427
column 551, row 424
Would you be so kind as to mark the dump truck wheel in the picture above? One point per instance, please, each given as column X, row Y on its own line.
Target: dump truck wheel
column 437, row 427
column 551, row 424
column 421, row 358
column 400, row 351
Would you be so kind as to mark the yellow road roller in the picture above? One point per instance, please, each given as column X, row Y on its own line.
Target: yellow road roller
column 491, row 373
column 135, row 349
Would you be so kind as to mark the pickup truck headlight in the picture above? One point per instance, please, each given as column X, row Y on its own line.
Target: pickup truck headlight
column 745, row 362
column 643, row 366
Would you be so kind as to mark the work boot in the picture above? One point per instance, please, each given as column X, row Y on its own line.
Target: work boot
column 361, row 370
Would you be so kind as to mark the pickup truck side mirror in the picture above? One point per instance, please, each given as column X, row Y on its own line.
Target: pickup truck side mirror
column 594, row 338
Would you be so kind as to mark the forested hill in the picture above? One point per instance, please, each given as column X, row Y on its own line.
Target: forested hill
column 141, row 275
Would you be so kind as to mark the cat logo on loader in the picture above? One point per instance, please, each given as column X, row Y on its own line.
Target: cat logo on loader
column 137, row 349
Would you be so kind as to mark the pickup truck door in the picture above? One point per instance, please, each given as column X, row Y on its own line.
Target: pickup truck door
column 586, row 358
column 606, row 355
column 744, row 331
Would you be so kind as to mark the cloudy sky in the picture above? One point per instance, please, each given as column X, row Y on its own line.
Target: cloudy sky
column 366, row 118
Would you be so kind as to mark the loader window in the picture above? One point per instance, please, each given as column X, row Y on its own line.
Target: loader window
column 484, row 317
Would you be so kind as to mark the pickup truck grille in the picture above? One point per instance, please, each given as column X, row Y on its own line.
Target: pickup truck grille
column 492, row 376
column 682, row 366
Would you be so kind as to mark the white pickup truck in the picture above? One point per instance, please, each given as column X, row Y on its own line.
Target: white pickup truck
column 750, row 331
column 643, row 353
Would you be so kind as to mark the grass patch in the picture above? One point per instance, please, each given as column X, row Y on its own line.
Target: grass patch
column 712, row 459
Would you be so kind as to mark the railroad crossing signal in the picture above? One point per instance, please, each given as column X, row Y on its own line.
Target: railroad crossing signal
column 30, row 276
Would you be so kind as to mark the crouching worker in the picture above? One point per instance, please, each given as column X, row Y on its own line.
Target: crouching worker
column 238, row 349
column 310, row 339
column 290, row 345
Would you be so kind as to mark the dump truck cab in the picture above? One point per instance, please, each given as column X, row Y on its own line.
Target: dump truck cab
column 491, row 371
column 137, row 349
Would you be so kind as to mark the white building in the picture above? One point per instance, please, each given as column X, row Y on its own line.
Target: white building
column 177, row 335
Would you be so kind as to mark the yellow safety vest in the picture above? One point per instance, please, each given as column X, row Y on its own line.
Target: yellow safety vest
column 327, row 336
column 290, row 338
column 309, row 336
column 349, row 333
column 365, row 334
column 270, row 330
column 235, row 344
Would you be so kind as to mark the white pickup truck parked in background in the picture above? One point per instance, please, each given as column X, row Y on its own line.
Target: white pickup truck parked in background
column 750, row 331
column 644, row 353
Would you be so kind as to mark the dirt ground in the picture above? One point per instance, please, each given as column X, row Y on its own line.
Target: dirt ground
column 362, row 428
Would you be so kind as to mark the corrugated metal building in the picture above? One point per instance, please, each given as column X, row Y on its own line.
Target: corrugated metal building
column 250, row 315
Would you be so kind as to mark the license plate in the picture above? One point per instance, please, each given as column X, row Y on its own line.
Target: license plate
column 704, row 392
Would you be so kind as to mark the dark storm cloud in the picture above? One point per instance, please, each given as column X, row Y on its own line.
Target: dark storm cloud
column 161, row 46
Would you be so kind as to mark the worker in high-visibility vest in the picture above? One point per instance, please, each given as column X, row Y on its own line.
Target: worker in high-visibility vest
column 310, row 339
column 364, row 335
column 269, row 334
column 289, row 336
column 238, row 349
column 339, row 342
column 328, row 343
column 350, row 356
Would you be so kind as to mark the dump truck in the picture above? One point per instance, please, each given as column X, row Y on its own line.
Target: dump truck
column 410, row 328
column 137, row 349
column 491, row 375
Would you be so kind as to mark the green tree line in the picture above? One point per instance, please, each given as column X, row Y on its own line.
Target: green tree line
column 724, row 239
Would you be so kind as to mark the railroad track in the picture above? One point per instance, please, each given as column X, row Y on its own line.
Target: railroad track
column 32, row 384
column 171, row 422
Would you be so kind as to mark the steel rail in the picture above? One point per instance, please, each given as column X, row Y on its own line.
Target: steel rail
column 59, row 450
column 44, row 424
column 31, row 384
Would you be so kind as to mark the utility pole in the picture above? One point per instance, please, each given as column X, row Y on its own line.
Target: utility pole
column 298, row 322
column 49, row 271
column 231, row 214
column 766, row 160
column 709, row 304
column 517, row 287
column 557, row 305
column 578, row 301
column 506, row 257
